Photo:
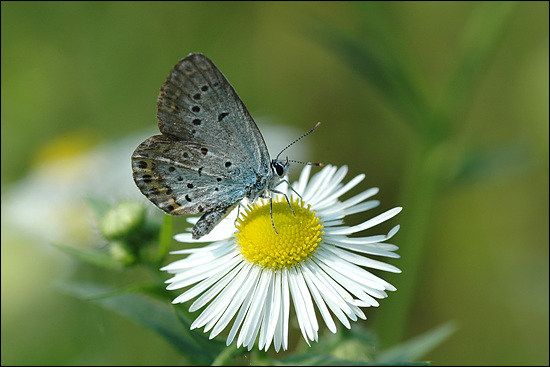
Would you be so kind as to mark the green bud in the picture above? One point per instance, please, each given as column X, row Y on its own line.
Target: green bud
column 120, row 252
column 122, row 219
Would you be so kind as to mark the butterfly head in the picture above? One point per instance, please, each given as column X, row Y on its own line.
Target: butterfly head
column 279, row 168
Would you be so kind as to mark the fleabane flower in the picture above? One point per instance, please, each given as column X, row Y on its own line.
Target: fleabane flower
column 251, row 273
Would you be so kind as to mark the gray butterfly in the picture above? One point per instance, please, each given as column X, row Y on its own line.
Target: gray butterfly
column 210, row 155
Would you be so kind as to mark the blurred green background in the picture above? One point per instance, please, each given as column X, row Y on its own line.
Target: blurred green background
column 79, row 87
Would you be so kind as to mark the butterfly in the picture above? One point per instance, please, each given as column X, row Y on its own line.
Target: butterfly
column 210, row 154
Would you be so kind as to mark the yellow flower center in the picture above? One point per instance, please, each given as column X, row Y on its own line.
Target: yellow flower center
column 297, row 236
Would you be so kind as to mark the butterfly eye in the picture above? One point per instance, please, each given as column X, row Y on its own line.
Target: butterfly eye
column 279, row 168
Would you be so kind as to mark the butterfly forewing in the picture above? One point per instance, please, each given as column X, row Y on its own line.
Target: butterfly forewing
column 197, row 103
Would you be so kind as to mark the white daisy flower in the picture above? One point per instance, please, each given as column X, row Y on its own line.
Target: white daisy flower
column 250, row 274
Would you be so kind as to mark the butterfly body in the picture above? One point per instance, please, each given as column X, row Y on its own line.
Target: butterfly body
column 210, row 154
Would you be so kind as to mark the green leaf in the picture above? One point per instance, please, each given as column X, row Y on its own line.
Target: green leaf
column 170, row 323
column 417, row 347
column 494, row 163
column 479, row 42
column 91, row 256
column 311, row 359
column 348, row 347
column 380, row 64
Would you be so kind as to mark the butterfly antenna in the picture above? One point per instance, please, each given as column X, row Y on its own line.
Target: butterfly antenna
column 289, row 145
column 308, row 163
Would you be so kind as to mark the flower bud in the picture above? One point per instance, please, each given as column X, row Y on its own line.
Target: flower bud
column 122, row 219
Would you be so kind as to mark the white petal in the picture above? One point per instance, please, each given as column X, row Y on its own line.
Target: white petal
column 369, row 239
column 194, row 275
column 334, row 294
column 349, row 203
column 363, row 207
column 333, row 265
column 254, row 277
column 311, row 283
column 346, row 267
column 306, row 296
column 378, row 249
column 332, row 223
column 238, row 295
column 358, row 303
column 205, row 250
column 358, row 289
column 266, row 320
column 361, row 260
column 313, row 188
column 221, row 302
column 216, row 235
column 299, row 307
column 274, row 315
column 328, row 186
column 336, row 211
column 300, row 186
column 354, row 305
column 370, row 249
column 251, row 325
column 365, row 225
column 286, row 308
column 206, row 284
column 337, row 258
column 200, row 259
column 230, row 283
column 336, row 194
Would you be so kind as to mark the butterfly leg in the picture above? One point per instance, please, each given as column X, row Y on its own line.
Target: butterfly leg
column 238, row 213
column 271, row 212
column 290, row 186
column 286, row 197
column 208, row 221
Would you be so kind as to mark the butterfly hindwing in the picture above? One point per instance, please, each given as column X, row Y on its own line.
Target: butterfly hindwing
column 183, row 177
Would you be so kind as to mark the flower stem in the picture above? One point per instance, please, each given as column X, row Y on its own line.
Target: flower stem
column 422, row 185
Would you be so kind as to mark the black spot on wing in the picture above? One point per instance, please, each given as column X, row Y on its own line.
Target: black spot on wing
column 222, row 115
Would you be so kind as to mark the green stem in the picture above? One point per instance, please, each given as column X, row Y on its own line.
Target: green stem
column 165, row 238
column 421, row 187
column 223, row 358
